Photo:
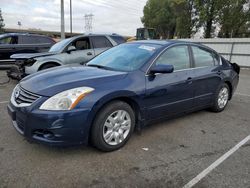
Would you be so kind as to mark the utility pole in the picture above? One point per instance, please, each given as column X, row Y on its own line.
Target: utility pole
column 62, row 21
column 71, row 17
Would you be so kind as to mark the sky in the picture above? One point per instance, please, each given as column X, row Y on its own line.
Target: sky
column 110, row 16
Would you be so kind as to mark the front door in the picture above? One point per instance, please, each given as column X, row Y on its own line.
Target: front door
column 7, row 48
column 171, row 93
column 83, row 51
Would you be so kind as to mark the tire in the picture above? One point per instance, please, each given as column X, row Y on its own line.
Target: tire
column 117, row 130
column 47, row 66
column 221, row 98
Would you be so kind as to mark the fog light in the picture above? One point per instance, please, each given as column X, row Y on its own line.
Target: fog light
column 44, row 134
column 48, row 135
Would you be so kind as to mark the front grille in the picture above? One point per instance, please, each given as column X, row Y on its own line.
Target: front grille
column 24, row 97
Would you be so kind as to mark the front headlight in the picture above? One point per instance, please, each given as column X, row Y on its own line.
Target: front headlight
column 66, row 100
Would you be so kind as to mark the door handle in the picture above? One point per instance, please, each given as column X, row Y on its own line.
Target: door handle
column 189, row 80
column 89, row 53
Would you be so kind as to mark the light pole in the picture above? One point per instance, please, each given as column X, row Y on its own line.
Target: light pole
column 62, row 21
column 71, row 17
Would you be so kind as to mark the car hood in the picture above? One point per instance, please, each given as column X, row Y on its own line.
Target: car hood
column 31, row 55
column 52, row 81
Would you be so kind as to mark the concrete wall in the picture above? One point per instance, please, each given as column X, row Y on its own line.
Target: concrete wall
column 235, row 50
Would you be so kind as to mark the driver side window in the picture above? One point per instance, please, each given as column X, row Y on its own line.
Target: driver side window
column 81, row 44
column 9, row 40
column 177, row 56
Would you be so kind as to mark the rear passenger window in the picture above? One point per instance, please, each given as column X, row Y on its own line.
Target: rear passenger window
column 101, row 42
column 202, row 57
column 27, row 40
column 118, row 39
column 216, row 59
column 177, row 56
column 45, row 40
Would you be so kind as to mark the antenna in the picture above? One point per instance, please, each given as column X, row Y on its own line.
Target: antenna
column 88, row 22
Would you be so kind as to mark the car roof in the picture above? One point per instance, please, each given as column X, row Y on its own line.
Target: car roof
column 166, row 43
column 161, row 42
column 88, row 35
column 23, row 34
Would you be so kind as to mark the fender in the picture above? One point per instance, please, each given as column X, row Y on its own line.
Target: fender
column 36, row 66
column 48, row 61
column 232, row 80
column 120, row 95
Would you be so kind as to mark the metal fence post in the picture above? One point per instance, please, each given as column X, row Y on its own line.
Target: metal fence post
column 232, row 50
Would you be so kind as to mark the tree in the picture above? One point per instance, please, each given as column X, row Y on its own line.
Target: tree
column 182, row 18
column 1, row 22
column 230, row 16
column 160, row 15
column 170, row 17
column 235, row 19
column 208, row 14
column 186, row 19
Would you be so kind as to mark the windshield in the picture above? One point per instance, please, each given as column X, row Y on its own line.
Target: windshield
column 58, row 47
column 125, row 57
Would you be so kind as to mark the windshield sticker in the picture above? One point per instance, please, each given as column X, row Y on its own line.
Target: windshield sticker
column 148, row 48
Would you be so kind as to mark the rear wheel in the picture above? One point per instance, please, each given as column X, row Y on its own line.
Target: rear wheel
column 221, row 98
column 113, row 126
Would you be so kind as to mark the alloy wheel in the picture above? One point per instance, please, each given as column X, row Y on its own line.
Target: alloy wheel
column 117, row 127
column 223, row 97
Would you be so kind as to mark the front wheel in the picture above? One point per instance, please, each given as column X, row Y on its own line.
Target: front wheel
column 221, row 98
column 113, row 126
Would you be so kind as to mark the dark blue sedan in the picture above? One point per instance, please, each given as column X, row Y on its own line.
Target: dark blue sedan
column 124, row 88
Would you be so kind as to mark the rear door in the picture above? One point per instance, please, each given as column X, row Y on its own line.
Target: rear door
column 207, row 75
column 27, row 44
column 172, row 93
column 100, row 44
column 32, row 44
column 44, row 43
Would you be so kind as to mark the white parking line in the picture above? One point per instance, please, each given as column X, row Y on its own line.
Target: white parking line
column 205, row 172
column 4, row 102
column 242, row 94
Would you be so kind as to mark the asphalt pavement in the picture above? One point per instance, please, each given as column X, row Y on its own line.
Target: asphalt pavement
column 167, row 154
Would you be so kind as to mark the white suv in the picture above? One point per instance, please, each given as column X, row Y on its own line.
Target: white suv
column 75, row 50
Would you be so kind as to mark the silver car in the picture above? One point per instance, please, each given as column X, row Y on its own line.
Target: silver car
column 75, row 50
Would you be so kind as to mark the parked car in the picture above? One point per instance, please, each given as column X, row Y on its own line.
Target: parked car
column 12, row 43
column 126, row 87
column 75, row 50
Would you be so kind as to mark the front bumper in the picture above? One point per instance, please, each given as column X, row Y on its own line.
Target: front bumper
column 51, row 128
column 31, row 69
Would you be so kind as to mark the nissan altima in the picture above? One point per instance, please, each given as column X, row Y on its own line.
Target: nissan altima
column 122, row 89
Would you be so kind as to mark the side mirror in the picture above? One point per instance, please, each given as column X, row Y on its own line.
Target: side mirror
column 71, row 49
column 162, row 69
